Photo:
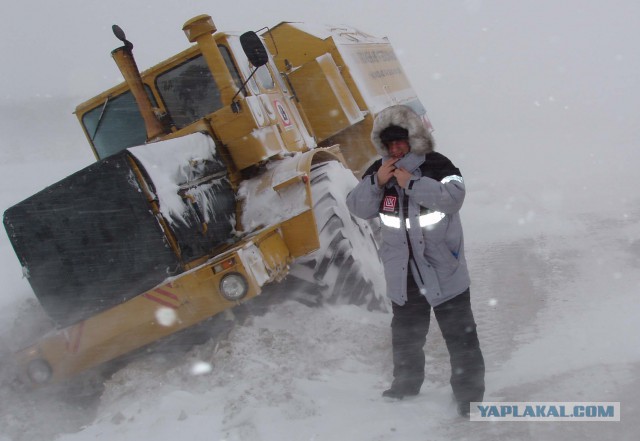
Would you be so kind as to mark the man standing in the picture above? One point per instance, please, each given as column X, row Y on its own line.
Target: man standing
column 418, row 193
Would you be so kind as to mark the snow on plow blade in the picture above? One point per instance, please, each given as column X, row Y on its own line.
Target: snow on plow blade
column 110, row 232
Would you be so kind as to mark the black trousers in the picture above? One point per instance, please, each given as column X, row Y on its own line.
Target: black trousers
column 409, row 328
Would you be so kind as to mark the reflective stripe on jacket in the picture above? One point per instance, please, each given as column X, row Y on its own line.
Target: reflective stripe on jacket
column 422, row 221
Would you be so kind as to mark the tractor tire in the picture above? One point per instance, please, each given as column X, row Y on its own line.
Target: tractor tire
column 346, row 269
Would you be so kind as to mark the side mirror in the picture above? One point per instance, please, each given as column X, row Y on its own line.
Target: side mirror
column 254, row 49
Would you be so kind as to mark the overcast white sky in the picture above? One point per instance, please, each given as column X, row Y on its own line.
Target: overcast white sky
column 63, row 47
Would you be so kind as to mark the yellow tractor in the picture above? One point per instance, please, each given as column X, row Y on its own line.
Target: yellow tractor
column 220, row 172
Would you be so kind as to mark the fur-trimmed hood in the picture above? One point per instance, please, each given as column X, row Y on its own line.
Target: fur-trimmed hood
column 420, row 139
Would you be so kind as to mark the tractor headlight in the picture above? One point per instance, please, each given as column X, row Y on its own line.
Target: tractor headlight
column 39, row 371
column 233, row 287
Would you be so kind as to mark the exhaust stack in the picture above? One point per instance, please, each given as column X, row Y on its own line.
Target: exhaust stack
column 123, row 57
column 200, row 30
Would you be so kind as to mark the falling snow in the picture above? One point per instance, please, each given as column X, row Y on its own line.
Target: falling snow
column 545, row 133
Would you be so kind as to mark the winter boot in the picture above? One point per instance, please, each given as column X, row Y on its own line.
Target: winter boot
column 463, row 409
column 399, row 393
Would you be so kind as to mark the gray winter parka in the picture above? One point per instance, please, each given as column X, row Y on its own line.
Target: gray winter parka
column 433, row 199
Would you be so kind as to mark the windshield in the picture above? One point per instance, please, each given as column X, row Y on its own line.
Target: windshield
column 116, row 125
column 189, row 91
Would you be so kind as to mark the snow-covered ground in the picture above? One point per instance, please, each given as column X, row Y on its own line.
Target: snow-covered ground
column 548, row 144
column 555, row 295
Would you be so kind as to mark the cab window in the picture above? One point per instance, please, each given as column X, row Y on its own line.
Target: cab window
column 263, row 76
column 226, row 55
column 189, row 91
column 116, row 125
